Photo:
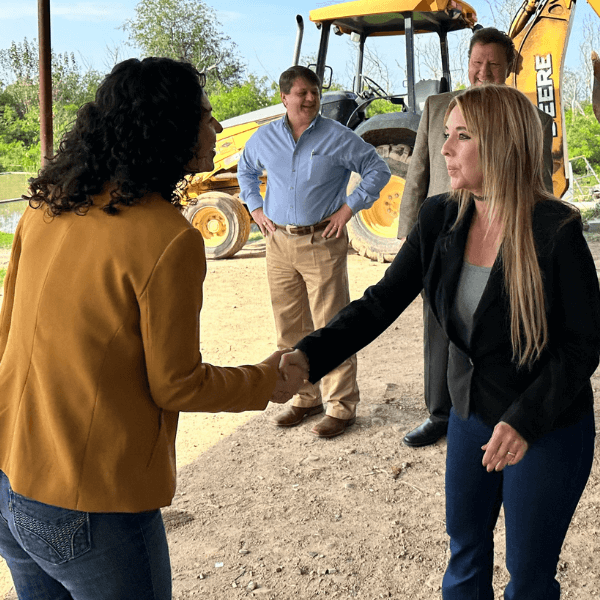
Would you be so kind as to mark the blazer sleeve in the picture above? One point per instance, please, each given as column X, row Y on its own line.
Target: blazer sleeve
column 372, row 169
column 170, row 327
column 417, row 177
column 248, row 173
column 573, row 352
column 363, row 320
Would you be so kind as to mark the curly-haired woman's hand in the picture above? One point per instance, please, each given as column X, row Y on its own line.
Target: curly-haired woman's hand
column 291, row 377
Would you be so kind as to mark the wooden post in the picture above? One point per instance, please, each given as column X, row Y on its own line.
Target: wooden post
column 45, row 55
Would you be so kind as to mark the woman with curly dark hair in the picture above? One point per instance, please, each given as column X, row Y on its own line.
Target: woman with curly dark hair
column 99, row 343
column 141, row 145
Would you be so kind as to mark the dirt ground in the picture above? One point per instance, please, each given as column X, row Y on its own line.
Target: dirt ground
column 280, row 514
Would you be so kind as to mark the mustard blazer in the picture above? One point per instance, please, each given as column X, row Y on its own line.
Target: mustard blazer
column 99, row 352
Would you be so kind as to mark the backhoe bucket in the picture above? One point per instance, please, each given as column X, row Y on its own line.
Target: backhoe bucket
column 596, row 90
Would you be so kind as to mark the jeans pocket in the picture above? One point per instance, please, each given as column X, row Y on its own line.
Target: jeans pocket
column 53, row 534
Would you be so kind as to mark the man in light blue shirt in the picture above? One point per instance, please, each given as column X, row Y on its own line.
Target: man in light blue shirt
column 303, row 217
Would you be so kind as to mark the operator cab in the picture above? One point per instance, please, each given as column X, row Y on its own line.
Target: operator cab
column 363, row 19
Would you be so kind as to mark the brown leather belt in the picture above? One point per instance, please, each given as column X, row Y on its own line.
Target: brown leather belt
column 302, row 229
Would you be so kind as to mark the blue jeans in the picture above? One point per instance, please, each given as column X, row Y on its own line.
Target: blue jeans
column 539, row 494
column 59, row 554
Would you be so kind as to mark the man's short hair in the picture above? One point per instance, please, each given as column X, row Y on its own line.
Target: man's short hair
column 491, row 35
column 287, row 78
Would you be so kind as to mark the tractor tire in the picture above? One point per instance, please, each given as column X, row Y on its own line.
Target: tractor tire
column 223, row 221
column 373, row 231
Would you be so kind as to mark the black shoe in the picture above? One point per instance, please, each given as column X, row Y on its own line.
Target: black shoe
column 429, row 432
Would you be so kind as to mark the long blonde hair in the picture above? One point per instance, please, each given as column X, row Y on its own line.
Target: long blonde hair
column 510, row 142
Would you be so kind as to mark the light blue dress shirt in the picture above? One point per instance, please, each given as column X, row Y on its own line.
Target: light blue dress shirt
column 307, row 179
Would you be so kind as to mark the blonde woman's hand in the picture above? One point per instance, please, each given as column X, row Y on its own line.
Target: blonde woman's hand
column 290, row 379
column 291, row 360
column 505, row 448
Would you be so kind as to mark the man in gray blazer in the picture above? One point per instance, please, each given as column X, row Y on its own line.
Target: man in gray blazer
column 492, row 55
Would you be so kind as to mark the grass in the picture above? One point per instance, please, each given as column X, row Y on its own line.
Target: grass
column 255, row 236
column 590, row 213
column 6, row 240
column 12, row 185
column 591, row 237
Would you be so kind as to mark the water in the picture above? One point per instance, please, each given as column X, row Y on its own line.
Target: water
column 12, row 185
column 10, row 213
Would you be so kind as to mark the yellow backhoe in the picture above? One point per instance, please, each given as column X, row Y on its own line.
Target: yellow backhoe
column 540, row 30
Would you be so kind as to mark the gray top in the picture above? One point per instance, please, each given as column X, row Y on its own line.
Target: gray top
column 471, row 284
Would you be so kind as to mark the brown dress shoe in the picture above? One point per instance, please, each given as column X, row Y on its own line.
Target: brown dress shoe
column 294, row 415
column 331, row 426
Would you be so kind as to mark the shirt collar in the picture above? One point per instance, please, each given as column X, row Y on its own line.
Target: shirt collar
column 313, row 123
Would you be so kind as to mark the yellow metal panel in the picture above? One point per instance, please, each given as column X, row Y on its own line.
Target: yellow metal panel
column 367, row 8
column 595, row 4
column 230, row 145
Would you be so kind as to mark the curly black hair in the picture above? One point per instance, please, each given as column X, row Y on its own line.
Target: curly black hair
column 138, row 134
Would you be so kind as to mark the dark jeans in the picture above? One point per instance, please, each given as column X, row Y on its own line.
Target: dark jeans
column 435, row 350
column 539, row 494
column 59, row 554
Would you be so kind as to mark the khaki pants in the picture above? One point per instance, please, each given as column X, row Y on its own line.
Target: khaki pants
column 308, row 281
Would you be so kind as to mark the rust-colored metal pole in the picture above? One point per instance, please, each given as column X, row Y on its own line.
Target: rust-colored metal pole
column 45, row 80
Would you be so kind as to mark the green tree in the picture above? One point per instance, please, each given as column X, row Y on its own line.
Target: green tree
column 252, row 95
column 380, row 107
column 20, row 61
column 186, row 30
column 70, row 84
column 19, row 66
column 19, row 101
column 17, row 128
column 583, row 134
column 16, row 156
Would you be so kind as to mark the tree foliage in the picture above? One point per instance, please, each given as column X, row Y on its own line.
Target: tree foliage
column 252, row 95
column 19, row 101
column 583, row 134
column 19, row 67
column 186, row 30
column 380, row 107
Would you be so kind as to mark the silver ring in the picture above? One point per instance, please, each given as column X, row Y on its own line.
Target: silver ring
column 511, row 453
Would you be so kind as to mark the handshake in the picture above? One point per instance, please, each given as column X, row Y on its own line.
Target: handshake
column 292, row 367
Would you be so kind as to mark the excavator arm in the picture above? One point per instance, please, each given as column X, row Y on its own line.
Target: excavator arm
column 540, row 31
column 596, row 88
column 595, row 4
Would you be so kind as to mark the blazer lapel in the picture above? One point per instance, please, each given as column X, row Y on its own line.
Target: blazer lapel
column 452, row 251
column 491, row 293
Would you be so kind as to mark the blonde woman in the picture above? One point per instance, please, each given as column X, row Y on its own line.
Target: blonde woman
column 512, row 283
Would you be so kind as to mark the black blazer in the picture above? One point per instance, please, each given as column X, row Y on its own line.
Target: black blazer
column 557, row 391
